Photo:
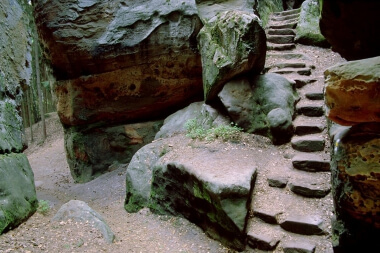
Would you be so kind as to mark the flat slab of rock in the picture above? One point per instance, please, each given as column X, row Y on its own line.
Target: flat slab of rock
column 277, row 181
column 301, row 82
column 311, row 108
column 309, row 189
column 280, row 47
column 261, row 241
column 310, row 162
column 281, row 32
column 308, row 143
column 305, row 125
column 304, row 225
column 298, row 247
column 280, row 39
column 300, row 71
column 268, row 216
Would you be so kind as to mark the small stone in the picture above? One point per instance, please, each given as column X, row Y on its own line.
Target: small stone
column 303, row 126
column 298, row 247
column 262, row 242
column 267, row 216
column 309, row 143
column 310, row 162
column 304, row 225
column 311, row 190
column 277, row 181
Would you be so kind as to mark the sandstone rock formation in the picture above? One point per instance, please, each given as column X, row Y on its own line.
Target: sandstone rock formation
column 231, row 43
column 168, row 179
column 352, row 27
column 352, row 92
column 263, row 105
column 18, row 195
column 118, row 62
column 307, row 30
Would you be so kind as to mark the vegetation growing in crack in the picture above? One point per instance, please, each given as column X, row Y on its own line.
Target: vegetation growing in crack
column 195, row 130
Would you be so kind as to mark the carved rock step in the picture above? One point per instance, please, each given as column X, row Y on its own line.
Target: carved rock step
column 267, row 216
column 281, row 32
column 310, row 162
column 304, row 225
column 287, row 64
column 310, row 190
column 288, row 56
column 289, row 25
column 312, row 92
column 258, row 240
column 278, row 181
column 310, row 108
column 280, row 39
column 308, row 143
column 306, row 125
column 300, row 71
column 280, row 47
column 301, row 82
column 298, row 247
column 285, row 17
column 287, row 13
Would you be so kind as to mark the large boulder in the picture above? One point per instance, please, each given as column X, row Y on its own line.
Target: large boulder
column 355, row 180
column 171, row 177
column 352, row 27
column 263, row 105
column 209, row 9
column 206, row 116
column 352, row 92
column 18, row 198
column 95, row 151
column 307, row 31
column 231, row 43
column 119, row 62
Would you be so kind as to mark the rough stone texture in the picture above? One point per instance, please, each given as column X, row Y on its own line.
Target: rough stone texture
column 267, row 216
column 307, row 31
column 15, row 71
column 94, row 151
column 215, row 197
column 355, row 177
column 304, row 225
column 18, row 198
column 309, row 189
column 263, row 105
column 352, row 92
column 119, row 62
column 81, row 212
column 310, row 162
column 210, row 8
column 277, row 181
column 308, row 143
column 351, row 27
column 262, row 242
column 231, row 43
column 265, row 8
column 298, row 247
column 206, row 116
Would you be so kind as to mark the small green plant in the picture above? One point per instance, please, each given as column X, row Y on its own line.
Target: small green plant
column 225, row 132
column 43, row 207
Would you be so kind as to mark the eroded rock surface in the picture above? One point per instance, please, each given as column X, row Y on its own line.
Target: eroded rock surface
column 352, row 92
column 231, row 43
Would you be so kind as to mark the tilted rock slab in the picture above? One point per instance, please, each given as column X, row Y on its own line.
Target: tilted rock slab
column 262, row 105
column 198, row 186
column 355, row 180
column 352, row 92
column 91, row 152
column 120, row 61
column 231, row 43
column 18, row 198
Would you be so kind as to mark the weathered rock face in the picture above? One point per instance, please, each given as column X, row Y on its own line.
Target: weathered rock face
column 356, row 187
column 95, row 151
column 17, row 192
column 209, row 9
column 119, row 61
column 264, row 8
column 231, row 43
column 352, row 27
column 352, row 92
column 215, row 196
column 18, row 198
column 206, row 116
column 307, row 31
column 264, row 105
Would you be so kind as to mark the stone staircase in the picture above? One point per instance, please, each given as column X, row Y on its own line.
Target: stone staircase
column 292, row 204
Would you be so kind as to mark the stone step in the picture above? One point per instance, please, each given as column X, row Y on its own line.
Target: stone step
column 297, row 246
column 288, row 25
column 310, row 189
column 310, row 108
column 280, row 39
column 287, row 13
column 288, row 64
column 304, row 225
column 280, row 47
column 261, row 241
column 310, row 162
column 267, row 216
column 301, row 82
column 315, row 95
column 277, row 181
column 307, row 125
column 288, row 56
column 308, row 143
column 300, row 71
column 281, row 32
column 286, row 17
